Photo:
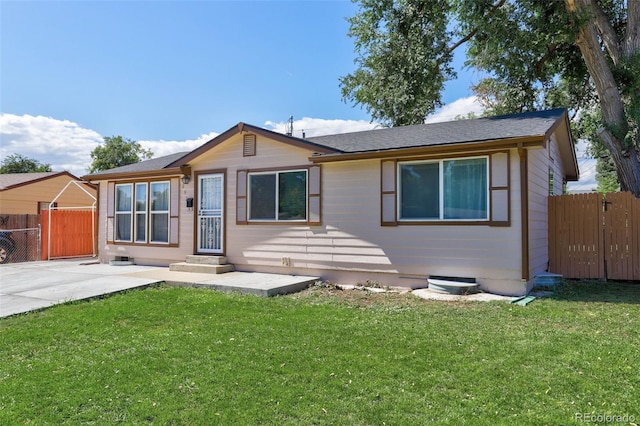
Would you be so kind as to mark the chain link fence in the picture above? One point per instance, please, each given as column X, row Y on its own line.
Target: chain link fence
column 20, row 245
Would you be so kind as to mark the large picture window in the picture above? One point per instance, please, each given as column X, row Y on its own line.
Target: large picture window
column 142, row 212
column 455, row 189
column 278, row 196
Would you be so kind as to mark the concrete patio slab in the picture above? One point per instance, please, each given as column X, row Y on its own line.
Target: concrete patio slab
column 31, row 286
column 426, row 293
column 260, row 284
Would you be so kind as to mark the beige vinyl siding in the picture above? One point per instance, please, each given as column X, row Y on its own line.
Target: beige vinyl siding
column 186, row 231
column 351, row 244
column 269, row 154
column 250, row 244
column 180, row 233
column 540, row 161
column 105, row 221
column 555, row 162
column 24, row 199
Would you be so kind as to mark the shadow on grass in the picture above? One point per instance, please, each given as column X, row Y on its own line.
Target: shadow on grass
column 598, row 291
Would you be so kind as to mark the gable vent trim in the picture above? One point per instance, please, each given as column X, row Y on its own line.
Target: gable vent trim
column 249, row 145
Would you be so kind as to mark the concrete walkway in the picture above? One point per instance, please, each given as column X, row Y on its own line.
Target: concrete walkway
column 31, row 286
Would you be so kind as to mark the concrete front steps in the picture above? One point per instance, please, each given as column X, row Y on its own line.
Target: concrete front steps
column 203, row 265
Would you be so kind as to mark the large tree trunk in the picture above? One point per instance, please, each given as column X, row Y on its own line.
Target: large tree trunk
column 626, row 158
column 627, row 163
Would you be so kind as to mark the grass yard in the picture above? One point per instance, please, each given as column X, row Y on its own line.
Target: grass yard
column 174, row 356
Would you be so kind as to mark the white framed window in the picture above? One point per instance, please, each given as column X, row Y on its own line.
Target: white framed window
column 444, row 190
column 278, row 196
column 124, row 212
column 159, row 211
column 140, row 223
column 142, row 212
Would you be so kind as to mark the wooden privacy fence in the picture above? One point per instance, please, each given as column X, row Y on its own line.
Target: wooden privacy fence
column 72, row 233
column 595, row 236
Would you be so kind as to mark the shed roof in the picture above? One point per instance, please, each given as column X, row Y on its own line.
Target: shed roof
column 11, row 180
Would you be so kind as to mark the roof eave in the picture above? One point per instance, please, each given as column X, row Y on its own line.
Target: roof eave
column 572, row 161
column 173, row 171
column 535, row 141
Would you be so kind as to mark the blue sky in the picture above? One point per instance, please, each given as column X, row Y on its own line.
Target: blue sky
column 172, row 74
column 152, row 70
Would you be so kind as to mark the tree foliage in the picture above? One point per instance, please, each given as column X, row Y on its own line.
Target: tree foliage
column 18, row 163
column 116, row 152
column 582, row 54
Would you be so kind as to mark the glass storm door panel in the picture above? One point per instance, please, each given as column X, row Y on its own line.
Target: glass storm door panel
column 211, row 213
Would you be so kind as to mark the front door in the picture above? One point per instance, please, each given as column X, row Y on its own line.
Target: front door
column 211, row 213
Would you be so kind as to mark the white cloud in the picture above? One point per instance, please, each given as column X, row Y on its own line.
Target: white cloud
column 65, row 144
column 62, row 143
column 587, row 167
column 161, row 148
column 319, row 126
column 587, row 180
column 458, row 108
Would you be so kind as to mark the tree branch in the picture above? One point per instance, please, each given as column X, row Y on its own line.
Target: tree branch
column 607, row 33
column 588, row 42
column 632, row 37
column 469, row 36
column 550, row 49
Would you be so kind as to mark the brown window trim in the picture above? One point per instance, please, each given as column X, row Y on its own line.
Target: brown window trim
column 487, row 222
column 156, row 245
column 110, row 238
column 306, row 222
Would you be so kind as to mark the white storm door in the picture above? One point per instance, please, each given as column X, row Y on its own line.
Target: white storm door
column 211, row 213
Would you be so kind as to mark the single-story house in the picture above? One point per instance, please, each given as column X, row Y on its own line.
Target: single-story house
column 31, row 193
column 464, row 198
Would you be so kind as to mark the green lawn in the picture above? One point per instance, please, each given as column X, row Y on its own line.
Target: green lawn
column 194, row 356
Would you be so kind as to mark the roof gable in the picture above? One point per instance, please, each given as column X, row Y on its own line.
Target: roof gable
column 248, row 128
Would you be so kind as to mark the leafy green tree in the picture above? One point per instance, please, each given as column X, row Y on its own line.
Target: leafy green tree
column 18, row 163
column 116, row 152
column 584, row 54
column 606, row 174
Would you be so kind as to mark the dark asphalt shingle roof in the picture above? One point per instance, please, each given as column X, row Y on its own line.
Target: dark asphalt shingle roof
column 511, row 126
column 445, row 133
column 143, row 166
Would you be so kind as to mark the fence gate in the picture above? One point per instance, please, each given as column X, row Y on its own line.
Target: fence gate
column 622, row 236
column 595, row 236
column 71, row 233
